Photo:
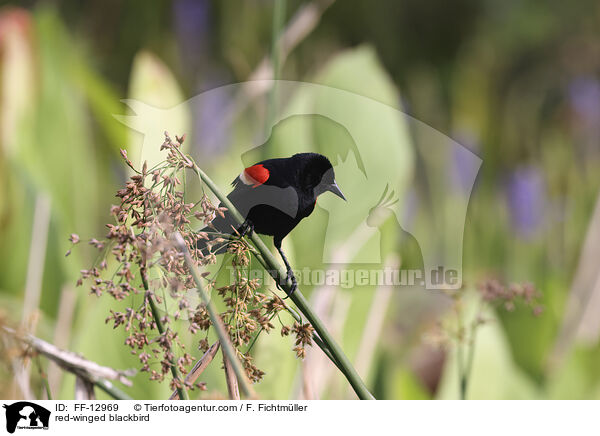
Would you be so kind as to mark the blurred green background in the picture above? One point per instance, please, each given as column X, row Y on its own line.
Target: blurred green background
column 516, row 82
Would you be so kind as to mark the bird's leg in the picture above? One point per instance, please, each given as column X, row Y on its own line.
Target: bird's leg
column 247, row 228
column 290, row 273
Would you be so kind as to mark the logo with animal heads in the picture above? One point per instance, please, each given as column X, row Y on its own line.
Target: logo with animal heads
column 26, row 415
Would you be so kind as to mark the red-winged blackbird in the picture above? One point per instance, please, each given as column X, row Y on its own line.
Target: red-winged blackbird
column 274, row 196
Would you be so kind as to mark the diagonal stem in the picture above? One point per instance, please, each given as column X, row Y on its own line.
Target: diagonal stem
column 217, row 323
column 100, row 376
column 231, row 379
column 199, row 367
column 329, row 345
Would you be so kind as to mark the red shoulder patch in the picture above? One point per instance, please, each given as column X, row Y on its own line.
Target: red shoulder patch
column 255, row 175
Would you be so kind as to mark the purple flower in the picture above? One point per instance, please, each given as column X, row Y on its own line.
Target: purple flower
column 526, row 195
column 584, row 98
column 192, row 28
column 463, row 165
column 212, row 123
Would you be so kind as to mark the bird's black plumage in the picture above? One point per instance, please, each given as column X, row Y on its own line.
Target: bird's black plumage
column 275, row 195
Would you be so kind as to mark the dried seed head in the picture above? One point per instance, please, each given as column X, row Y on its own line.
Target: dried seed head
column 143, row 260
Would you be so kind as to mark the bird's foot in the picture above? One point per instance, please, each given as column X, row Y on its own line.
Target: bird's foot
column 292, row 278
column 290, row 273
column 281, row 289
column 246, row 229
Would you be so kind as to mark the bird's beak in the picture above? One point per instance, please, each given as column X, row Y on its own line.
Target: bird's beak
column 336, row 190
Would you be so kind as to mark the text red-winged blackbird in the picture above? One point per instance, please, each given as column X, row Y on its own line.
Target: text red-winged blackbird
column 274, row 196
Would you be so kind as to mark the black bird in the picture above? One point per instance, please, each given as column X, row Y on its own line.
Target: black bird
column 274, row 196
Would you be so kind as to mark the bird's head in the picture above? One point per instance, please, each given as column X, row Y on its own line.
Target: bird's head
column 317, row 173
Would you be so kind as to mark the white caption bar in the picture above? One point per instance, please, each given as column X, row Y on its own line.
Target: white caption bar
column 300, row 417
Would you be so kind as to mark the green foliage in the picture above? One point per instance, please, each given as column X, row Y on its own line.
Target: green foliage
column 499, row 77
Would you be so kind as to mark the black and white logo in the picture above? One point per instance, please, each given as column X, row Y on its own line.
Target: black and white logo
column 26, row 415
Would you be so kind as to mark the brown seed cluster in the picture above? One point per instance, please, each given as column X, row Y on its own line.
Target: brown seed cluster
column 492, row 291
column 304, row 333
column 146, row 267
column 461, row 327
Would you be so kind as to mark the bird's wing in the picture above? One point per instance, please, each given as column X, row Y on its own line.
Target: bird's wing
column 253, row 176
column 256, row 185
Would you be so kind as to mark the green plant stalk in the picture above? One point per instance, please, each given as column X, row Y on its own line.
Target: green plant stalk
column 277, row 271
column 44, row 377
column 462, row 373
column 276, row 27
column 111, row 389
column 181, row 390
column 297, row 317
column 462, row 377
column 470, row 357
column 216, row 320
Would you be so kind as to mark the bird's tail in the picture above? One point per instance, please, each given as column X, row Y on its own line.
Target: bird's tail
column 218, row 232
